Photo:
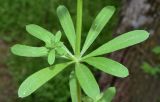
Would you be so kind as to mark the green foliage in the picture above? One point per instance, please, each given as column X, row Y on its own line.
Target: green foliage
column 39, row 78
column 40, row 33
column 98, row 24
column 51, row 57
column 150, row 70
column 58, row 36
column 30, row 11
column 108, row 66
column 60, row 49
column 87, row 81
column 83, row 74
column 156, row 50
column 108, row 95
column 73, row 87
column 120, row 42
column 53, row 44
column 47, row 92
column 67, row 24
column 28, row 51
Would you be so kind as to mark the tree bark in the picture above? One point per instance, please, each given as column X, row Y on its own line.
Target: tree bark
column 139, row 86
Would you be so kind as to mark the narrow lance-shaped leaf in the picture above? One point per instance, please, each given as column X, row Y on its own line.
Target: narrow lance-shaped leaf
column 36, row 80
column 108, row 95
column 58, row 36
column 120, row 42
column 60, row 51
column 28, row 51
column 87, row 81
column 40, row 33
column 51, row 56
column 97, row 26
column 67, row 24
column 73, row 87
column 108, row 66
column 67, row 51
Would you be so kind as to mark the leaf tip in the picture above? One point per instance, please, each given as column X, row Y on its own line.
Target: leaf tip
column 21, row 94
column 50, row 63
column 60, row 7
column 14, row 48
column 145, row 33
column 30, row 26
column 113, row 89
column 125, row 73
column 112, row 8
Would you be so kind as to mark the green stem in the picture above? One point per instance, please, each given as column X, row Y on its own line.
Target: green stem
column 78, row 91
column 78, row 40
column 79, row 27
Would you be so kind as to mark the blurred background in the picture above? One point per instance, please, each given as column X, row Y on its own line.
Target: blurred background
column 143, row 60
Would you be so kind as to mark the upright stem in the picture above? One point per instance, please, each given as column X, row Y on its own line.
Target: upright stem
column 78, row 40
column 78, row 92
column 79, row 27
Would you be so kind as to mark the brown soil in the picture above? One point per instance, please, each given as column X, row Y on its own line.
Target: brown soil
column 7, row 87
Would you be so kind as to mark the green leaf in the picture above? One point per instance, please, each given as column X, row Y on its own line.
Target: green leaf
column 108, row 66
column 147, row 68
column 108, row 95
column 87, row 99
column 73, row 87
column 28, row 51
column 120, row 42
column 36, row 80
column 87, row 81
column 40, row 33
column 67, row 51
column 51, row 56
column 67, row 24
column 97, row 26
column 58, row 36
column 60, row 51
column 156, row 50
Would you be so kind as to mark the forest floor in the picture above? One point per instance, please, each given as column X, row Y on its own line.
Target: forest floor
column 7, row 86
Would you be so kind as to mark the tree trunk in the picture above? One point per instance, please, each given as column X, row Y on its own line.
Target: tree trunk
column 139, row 86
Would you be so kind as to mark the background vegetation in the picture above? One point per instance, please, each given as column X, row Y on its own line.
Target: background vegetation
column 15, row 14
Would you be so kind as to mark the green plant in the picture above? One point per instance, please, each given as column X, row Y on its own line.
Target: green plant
column 147, row 68
column 156, row 50
column 150, row 69
column 81, row 76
